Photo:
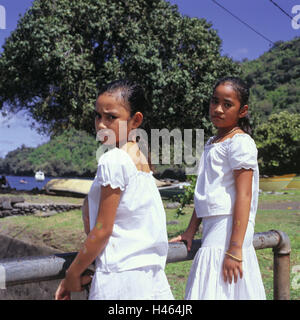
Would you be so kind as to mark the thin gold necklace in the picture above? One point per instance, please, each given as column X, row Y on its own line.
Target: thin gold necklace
column 218, row 137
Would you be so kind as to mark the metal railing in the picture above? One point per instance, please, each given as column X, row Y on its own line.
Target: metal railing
column 44, row 268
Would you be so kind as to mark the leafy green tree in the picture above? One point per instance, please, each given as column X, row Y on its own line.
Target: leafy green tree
column 278, row 143
column 63, row 51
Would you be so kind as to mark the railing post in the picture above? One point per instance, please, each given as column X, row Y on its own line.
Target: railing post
column 281, row 273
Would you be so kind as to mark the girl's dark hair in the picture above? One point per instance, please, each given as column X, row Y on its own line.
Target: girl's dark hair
column 243, row 93
column 132, row 93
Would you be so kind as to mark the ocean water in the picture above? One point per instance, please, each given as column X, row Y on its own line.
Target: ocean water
column 31, row 183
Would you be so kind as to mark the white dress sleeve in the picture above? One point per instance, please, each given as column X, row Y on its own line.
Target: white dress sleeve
column 242, row 152
column 114, row 169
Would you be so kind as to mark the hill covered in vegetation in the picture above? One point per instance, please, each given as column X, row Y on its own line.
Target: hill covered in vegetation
column 274, row 79
column 72, row 153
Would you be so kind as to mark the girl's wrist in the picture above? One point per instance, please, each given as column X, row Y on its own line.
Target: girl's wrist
column 235, row 251
column 72, row 272
column 191, row 232
column 192, row 229
column 234, row 256
column 235, row 245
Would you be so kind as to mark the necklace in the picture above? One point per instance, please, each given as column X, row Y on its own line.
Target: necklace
column 219, row 137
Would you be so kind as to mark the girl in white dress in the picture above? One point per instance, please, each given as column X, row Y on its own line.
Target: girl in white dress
column 123, row 214
column 225, row 200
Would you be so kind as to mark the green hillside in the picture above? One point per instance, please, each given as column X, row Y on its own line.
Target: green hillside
column 71, row 154
column 274, row 79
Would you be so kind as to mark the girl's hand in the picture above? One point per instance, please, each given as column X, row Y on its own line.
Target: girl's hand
column 71, row 284
column 184, row 237
column 190, row 232
column 232, row 268
column 62, row 293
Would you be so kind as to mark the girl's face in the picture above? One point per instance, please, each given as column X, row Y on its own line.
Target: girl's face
column 225, row 107
column 112, row 119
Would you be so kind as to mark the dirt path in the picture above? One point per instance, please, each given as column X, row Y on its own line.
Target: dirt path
column 66, row 241
column 286, row 205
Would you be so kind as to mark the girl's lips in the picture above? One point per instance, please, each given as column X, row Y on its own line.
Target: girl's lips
column 217, row 117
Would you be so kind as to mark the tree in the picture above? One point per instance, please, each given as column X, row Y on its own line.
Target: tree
column 278, row 143
column 63, row 51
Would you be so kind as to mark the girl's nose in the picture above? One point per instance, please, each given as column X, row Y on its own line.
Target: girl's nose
column 100, row 124
column 218, row 108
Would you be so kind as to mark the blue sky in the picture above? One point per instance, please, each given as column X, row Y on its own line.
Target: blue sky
column 238, row 42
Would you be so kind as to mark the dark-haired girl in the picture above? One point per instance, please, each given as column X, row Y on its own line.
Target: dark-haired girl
column 226, row 196
column 124, row 214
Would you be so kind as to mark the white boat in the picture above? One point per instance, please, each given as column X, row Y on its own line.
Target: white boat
column 39, row 176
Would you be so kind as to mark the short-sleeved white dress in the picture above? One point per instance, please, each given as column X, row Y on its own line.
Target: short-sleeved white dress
column 131, row 267
column 214, row 202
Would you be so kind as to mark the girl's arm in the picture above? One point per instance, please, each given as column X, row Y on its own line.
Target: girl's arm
column 95, row 242
column 243, row 184
column 189, row 234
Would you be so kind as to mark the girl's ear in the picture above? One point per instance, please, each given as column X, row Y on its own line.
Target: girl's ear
column 243, row 111
column 137, row 119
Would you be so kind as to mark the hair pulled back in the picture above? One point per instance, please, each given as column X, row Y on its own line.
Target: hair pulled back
column 132, row 93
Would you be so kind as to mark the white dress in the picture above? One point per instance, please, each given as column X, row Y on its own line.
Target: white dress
column 131, row 266
column 214, row 202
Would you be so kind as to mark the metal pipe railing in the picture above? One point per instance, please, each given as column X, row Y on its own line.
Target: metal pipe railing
column 36, row 269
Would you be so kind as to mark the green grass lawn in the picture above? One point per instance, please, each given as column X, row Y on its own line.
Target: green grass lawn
column 64, row 231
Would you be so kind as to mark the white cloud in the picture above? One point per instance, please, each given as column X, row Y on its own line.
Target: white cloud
column 15, row 131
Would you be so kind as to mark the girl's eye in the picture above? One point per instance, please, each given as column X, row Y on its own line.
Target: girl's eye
column 214, row 100
column 97, row 115
column 227, row 105
column 111, row 117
